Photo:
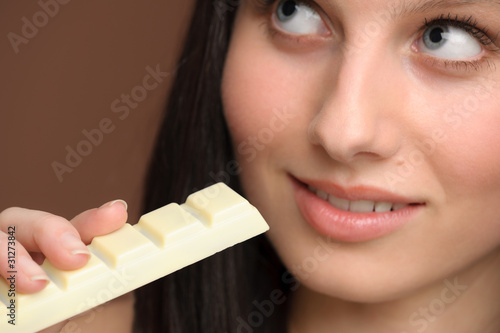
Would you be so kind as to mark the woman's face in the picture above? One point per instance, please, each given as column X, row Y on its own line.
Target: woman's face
column 367, row 133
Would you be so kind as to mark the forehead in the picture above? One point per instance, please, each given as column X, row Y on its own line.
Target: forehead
column 402, row 8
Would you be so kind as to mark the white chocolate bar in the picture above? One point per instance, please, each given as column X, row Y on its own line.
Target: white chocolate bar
column 163, row 241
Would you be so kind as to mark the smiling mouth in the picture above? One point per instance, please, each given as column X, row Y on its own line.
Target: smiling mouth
column 353, row 214
column 360, row 206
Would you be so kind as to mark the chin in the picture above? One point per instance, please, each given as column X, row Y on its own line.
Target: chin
column 363, row 288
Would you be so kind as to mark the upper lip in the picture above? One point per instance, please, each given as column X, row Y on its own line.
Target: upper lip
column 358, row 192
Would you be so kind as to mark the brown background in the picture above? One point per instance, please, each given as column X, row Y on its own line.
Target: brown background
column 63, row 82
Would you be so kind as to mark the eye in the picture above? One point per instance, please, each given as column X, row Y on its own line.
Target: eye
column 297, row 17
column 448, row 42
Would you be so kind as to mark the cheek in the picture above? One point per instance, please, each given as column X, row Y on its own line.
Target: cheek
column 267, row 102
column 464, row 163
column 262, row 83
column 453, row 125
column 472, row 162
column 255, row 88
column 256, row 99
column 469, row 156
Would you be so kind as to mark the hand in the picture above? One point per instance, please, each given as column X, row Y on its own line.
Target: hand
column 42, row 235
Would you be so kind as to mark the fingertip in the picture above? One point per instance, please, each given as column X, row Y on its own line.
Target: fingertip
column 42, row 278
column 101, row 221
column 30, row 268
column 114, row 202
column 62, row 245
column 85, row 252
column 30, row 277
column 73, row 243
column 76, row 261
column 27, row 285
column 69, row 261
column 116, row 210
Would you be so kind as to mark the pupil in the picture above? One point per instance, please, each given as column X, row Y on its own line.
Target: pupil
column 436, row 35
column 288, row 8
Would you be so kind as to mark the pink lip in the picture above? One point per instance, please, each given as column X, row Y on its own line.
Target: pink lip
column 357, row 193
column 348, row 226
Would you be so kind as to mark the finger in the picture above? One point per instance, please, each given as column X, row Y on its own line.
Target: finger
column 52, row 235
column 100, row 221
column 17, row 268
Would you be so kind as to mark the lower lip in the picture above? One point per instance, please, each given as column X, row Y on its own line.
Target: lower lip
column 348, row 226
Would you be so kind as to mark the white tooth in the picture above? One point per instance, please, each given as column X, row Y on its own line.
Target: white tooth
column 362, row 206
column 322, row 195
column 312, row 189
column 339, row 203
column 398, row 206
column 383, row 207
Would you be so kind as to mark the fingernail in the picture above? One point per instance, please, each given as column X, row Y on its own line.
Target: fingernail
column 39, row 278
column 109, row 204
column 74, row 244
column 32, row 269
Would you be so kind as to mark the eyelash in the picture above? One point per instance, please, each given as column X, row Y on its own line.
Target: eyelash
column 471, row 26
column 466, row 23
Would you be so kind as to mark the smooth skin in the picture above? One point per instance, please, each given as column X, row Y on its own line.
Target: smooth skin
column 356, row 104
column 42, row 235
column 367, row 105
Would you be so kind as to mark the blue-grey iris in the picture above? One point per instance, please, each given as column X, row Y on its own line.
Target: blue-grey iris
column 286, row 9
column 433, row 37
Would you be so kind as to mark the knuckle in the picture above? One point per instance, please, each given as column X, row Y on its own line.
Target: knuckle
column 49, row 223
column 8, row 212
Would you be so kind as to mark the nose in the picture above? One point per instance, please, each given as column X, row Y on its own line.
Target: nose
column 359, row 117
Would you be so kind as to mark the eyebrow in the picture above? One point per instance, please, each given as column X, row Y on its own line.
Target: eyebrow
column 405, row 8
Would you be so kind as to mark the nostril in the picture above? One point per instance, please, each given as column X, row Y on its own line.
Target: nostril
column 368, row 154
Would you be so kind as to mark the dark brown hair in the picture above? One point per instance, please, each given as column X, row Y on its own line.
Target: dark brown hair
column 224, row 292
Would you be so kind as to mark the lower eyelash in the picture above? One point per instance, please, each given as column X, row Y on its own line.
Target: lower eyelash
column 474, row 65
column 272, row 32
column 461, row 65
